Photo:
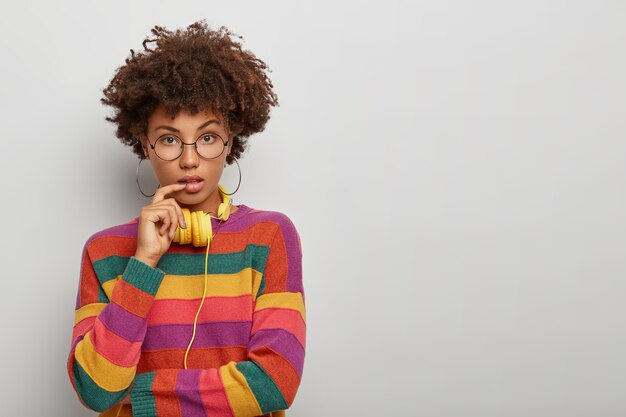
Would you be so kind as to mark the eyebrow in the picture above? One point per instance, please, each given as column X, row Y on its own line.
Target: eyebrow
column 202, row 126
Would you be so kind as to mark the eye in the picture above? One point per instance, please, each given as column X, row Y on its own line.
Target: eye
column 168, row 140
column 208, row 139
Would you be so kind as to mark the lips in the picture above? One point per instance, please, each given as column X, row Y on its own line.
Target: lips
column 193, row 183
column 192, row 186
column 190, row 178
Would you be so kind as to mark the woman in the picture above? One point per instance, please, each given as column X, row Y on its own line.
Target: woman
column 195, row 307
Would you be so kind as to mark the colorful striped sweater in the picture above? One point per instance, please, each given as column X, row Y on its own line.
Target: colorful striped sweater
column 133, row 323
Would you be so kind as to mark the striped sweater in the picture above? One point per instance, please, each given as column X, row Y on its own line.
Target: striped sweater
column 133, row 323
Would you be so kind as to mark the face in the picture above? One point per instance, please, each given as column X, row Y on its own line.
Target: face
column 188, row 128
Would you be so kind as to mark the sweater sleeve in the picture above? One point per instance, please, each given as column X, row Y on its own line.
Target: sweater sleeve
column 268, row 379
column 107, row 334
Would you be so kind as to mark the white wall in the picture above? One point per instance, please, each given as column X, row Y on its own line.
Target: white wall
column 456, row 170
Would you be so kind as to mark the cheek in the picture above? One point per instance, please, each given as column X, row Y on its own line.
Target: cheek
column 164, row 175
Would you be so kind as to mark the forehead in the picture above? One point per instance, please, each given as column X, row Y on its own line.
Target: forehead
column 184, row 117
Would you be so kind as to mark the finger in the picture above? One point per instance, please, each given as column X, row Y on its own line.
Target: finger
column 166, row 223
column 181, row 216
column 177, row 213
column 174, row 220
column 168, row 189
column 166, row 213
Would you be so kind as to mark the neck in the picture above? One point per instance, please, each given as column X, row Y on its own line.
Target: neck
column 210, row 205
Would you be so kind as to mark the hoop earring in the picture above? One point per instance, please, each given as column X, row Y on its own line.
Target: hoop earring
column 139, row 186
column 239, row 183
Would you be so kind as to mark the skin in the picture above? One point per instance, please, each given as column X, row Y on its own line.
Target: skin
column 158, row 221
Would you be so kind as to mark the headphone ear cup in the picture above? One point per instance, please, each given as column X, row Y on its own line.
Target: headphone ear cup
column 198, row 228
column 183, row 236
column 194, row 228
column 204, row 223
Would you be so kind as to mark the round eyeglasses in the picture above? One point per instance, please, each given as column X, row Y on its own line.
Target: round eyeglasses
column 170, row 147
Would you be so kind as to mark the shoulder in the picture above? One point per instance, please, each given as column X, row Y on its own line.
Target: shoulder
column 114, row 240
column 281, row 220
column 123, row 230
column 284, row 229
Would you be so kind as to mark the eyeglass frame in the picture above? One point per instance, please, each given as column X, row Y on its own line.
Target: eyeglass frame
column 183, row 144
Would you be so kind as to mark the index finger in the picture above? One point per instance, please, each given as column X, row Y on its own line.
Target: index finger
column 161, row 192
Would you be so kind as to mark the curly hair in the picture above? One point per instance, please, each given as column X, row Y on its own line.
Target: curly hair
column 193, row 69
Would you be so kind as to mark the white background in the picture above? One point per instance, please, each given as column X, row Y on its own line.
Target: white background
column 456, row 171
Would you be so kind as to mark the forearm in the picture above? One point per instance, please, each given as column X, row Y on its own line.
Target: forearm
column 267, row 381
column 107, row 338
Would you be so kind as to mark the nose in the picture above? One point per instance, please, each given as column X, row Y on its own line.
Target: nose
column 189, row 157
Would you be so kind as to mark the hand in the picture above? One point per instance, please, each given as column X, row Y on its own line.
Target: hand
column 157, row 225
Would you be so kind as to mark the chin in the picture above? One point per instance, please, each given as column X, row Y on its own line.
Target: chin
column 192, row 198
column 196, row 198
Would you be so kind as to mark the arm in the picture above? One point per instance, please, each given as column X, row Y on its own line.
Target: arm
column 107, row 334
column 269, row 378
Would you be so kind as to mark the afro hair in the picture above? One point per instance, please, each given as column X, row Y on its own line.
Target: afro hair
column 194, row 69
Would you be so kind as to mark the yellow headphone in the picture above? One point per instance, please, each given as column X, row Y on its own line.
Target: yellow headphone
column 198, row 230
column 200, row 233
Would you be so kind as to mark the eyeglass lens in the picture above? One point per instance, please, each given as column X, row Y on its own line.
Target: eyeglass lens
column 171, row 147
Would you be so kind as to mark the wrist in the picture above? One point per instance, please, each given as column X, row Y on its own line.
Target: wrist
column 146, row 259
